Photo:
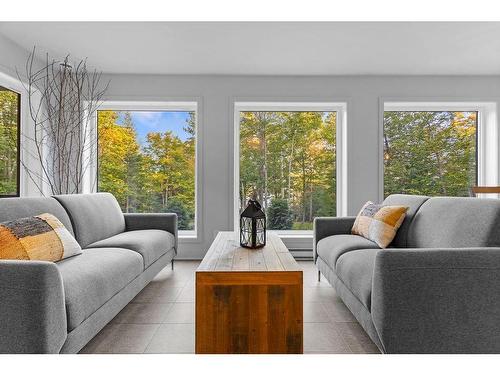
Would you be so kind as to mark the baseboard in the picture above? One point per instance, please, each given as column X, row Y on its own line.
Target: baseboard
column 302, row 254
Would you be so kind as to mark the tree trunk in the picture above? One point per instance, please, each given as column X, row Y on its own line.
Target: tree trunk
column 243, row 195
column 386, row 144
column 282, row 176
column 290, row 159
column 310, row 202
column 441, row 174
column 262, row 190
column 304, row 209
column 264, row 198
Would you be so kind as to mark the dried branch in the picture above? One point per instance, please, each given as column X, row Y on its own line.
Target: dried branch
column 62, row 102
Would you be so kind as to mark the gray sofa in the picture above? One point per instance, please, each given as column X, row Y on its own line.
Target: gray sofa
column 436, row 290
column 58, row 307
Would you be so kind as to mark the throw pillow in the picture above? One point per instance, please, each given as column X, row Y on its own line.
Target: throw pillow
column 379, row 223
column 41, row 237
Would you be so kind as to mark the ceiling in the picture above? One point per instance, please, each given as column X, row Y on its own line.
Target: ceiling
column 287, row 48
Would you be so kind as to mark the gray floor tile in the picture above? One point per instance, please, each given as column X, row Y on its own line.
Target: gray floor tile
column 310, row 275
column 121, row 338
column 186, row 269
column 157, row 293
column 319, row 294
column 323, row 337
column 356, row 338
column 169, row 278
column 172, row 338
column 141, row 313
column 181, row 313
column 186, row 265
column 314, row 312
column 187, row 294
column 338, row 312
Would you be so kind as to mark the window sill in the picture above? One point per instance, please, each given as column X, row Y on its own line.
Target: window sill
column 293, row 233
column 301, row 240
column 188, row 236
column 296, row 240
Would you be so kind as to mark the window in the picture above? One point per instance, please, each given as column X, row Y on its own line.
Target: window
column 9, row 142
column 430, row 152
column 287, row 161
column 147, row 159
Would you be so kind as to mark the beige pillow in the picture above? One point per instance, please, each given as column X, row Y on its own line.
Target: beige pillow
column 379, row 223
column 41, row 237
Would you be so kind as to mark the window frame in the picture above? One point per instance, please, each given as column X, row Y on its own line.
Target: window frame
column 487, row 150
column 5, row 84
column 341, row 158
column 158, row 106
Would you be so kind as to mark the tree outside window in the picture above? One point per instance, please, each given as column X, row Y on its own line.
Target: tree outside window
column 287, row 162
column 147, row 160
column 9, row 142
column 430, row 152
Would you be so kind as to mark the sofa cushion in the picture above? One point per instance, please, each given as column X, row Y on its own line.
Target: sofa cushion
column 413, row 202
column 150, row 243
column 445, row 222
column 331, row 248
column 95, row 276
column 379, row 223
column 15, row 208
column 355, row 270
column 40, row 237
column 94, row 216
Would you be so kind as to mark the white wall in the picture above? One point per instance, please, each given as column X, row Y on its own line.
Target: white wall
column 362, row 94
column 11, row 56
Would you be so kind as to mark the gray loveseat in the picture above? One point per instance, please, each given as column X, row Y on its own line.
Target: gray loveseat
column 436, row 290
column 58, row 307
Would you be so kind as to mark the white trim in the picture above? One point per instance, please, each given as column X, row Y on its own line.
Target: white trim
column 487, row 131
column 170, row 105
column 132, row 105
column 294, row 237
column 462, row 106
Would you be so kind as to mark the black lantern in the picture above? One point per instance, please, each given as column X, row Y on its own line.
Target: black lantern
column 253, row 226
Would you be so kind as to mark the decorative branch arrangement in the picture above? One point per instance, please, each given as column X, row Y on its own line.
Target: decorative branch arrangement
column 62, row 100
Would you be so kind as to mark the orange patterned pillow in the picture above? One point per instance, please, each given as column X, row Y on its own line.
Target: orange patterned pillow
column 379, row 223
column 41, row 237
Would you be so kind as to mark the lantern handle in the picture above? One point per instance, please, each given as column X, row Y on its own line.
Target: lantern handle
column 254, row 203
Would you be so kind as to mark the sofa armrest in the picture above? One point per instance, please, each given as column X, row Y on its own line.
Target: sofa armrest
column 32, row 307
column 437, row 300
column 329, row 226
column 163, row 221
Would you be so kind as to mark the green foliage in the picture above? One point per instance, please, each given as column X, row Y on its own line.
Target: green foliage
column 289, row 156
column 302, row 226
column 8, row 141
column 429, row 153
column 279, row 215
column 184, row 216
column 158, row 176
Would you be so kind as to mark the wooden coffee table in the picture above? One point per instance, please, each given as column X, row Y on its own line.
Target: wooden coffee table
column 248, row 301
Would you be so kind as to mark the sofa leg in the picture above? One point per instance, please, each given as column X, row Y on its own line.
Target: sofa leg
column 319, row 276
column 172, row 263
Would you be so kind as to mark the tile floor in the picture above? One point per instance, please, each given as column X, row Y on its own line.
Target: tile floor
column 161, row 318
